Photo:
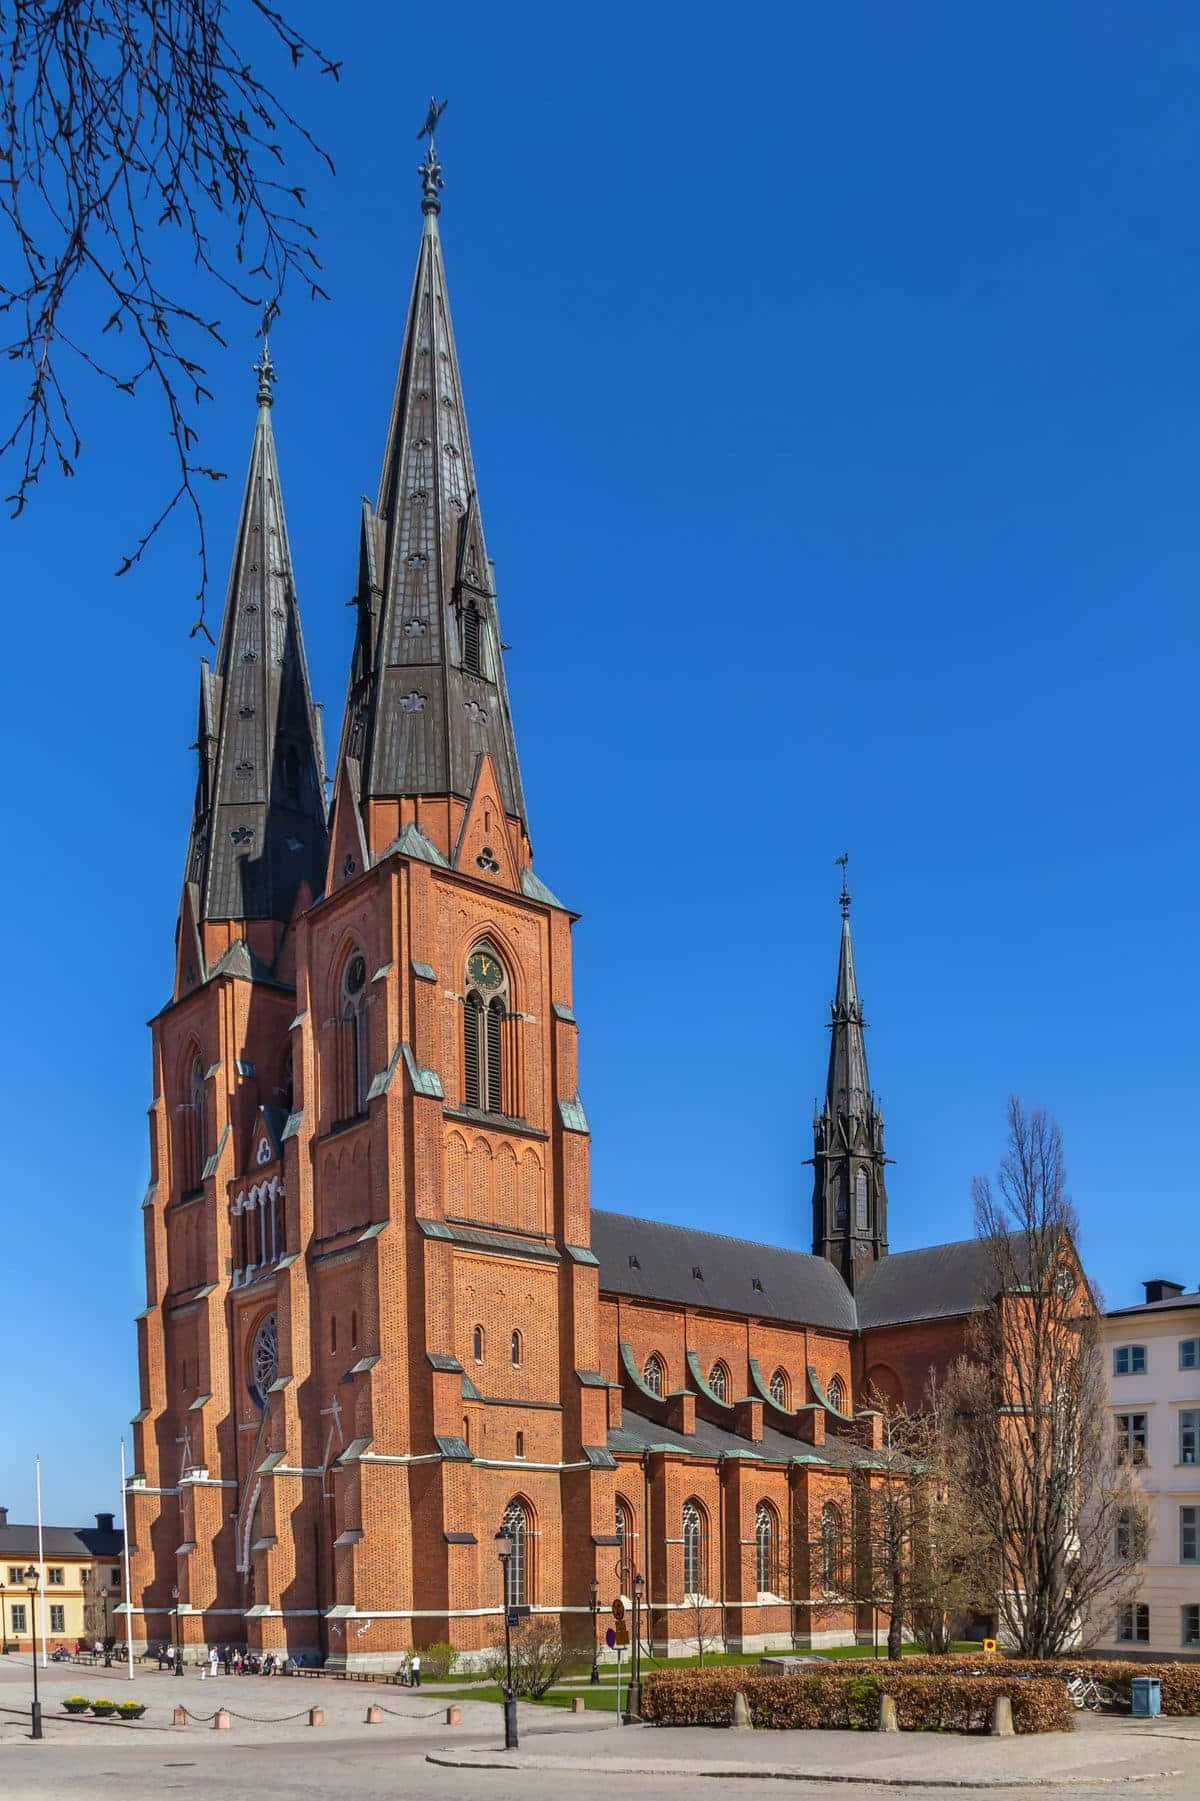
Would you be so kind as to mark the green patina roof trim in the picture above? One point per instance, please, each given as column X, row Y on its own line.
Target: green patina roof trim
column 373, row 1231
column 382, row 1080
column 600, row 1457
column 764, row 1391
column 819, row 1390
column 534, row 888
column 148, row 1197
column 564, row 1013
column 454, row 1450
column 635, row 1375
column 294, row 1122
column 579, row 1253
column 210, row 1167
column 424, row 971
column 469, row 1390
column 424, row 1081
column 591, row 1379
column 573, row 1117
column 354, row 1450
column 412, row 842
column 693, row 1363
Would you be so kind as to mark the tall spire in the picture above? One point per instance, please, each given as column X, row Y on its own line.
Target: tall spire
column 849, row 1190
column 259, row 826
column 427, row 698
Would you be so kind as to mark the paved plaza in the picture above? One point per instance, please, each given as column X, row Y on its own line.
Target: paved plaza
column 271, row 1750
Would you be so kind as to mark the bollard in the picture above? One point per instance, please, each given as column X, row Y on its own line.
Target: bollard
column 578, row 1704
column 374, row 1716
column 741, row 1720
column 454, row 1716
column 887, row 1714
column 1002, row 1726
column 181, row 1717
column 316, row 1716
column 221, row 1720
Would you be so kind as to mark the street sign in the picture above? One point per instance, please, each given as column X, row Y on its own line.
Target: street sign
column 610, row 1638
column 513, row 1618
column 622, row 1633
column 618, row 1609
column 989, row 1644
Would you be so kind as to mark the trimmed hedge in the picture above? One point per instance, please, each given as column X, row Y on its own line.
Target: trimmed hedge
column 1180, row 1681
column 941, row 1702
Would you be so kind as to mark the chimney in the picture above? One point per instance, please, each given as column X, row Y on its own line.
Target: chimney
column 3, row 1516
column 104, row 1522
column 1162, row 1291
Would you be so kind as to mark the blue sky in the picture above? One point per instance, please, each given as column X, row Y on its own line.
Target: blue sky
column 834, row 387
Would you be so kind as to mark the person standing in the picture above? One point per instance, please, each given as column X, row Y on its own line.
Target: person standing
column 214, row 1658
column 414, row 1669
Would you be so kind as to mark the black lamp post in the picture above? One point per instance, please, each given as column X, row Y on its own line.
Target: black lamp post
column 633, row 1701
column 3, row 1624
column 178, row 1645
column 504, row 1550
column 107, row 1647
column 31, row 1583
column 595, row 1642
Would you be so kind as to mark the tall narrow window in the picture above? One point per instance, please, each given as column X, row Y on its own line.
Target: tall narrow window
column 516, row 1585
column 1189, row 1435
column 837, row 1394
column 831, row 1547
column 693, row 1549
column 477, row 1344
column 350, row 1099
column 718, row 1381
column 654, row 1375
column 625, row 1551
column 470, row 637
column 779, row 1388
column 520, row 1444
column 516, row 1350
column 860, row 1200
column 488, row 1081
column 764, row 1547
column 354, row 1329
column 193, row 1136
column 841, row 1211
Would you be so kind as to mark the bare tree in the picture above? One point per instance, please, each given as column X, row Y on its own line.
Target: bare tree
column 702, row 1624
column 144, row 174
column 539, row 1655
column 1034, row 1448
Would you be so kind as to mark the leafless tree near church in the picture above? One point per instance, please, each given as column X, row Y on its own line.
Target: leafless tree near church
column 1034, row 1448
column 146, row 180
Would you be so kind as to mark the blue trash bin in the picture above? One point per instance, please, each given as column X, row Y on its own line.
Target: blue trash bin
column 1146, row 1696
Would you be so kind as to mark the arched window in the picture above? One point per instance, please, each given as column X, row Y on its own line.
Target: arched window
column 516, row 1350
column 520, row 1444
column 718, row 1381
column 764, row 1547
column 654, row 1375
column 477, row 1344
column 779, row 1388
column 517, row 1583
column 351, row 1078
column 860, row 1199
column 841, row 1210
column 831, row 1547
column 625, row 1552
column 488, row 1082
column 837, row 1394
column 693, row 1549
column 193, row 1136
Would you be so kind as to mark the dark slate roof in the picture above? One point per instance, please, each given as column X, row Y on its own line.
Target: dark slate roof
column 17, row 1541
column 940, row 1281
column 636, row 1434
column 1171, row 1304
column 795, row 1284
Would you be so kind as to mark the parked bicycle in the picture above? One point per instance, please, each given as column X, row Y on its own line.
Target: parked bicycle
column 1085, row 1691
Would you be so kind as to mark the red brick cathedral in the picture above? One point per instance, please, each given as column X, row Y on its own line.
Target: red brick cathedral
column 382, row 1320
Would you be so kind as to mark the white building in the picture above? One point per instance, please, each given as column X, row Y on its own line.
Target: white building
column 1153, row 1357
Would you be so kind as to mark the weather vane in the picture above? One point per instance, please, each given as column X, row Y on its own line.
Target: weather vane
column 264, row 368
column 430, row 170
column 843, row 863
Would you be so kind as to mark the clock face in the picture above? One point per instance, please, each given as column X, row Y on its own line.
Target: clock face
column 1064, row 1282
column 484, row 970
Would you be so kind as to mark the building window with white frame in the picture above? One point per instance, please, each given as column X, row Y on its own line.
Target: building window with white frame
column 693, row 1549
column 18, row 1618
column 58, row 1618
column 1133, row 1624
column 1189, row 1624
column 1189, row 1535
column 54, row 1577
column 1189, row 1435
column 1129, row 1360
column 1189, row 1353
column 1131, row 1437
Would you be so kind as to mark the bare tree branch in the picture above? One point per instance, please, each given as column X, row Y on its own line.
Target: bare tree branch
column 137, row 138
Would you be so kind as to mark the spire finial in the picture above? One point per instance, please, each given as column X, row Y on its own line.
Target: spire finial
column 430, row 170
column 264, row 368
column 842, row 863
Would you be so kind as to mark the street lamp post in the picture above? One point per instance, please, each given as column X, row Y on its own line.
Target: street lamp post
column 32, row 1580
column 104, row 1610
column 178, row 1645
column 504, row 1550
column 633, row 1702
column 595, row 1642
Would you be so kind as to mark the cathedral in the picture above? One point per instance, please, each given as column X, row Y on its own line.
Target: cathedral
column 383, row 1323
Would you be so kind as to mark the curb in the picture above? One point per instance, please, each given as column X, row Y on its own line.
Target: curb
column 792, row 1773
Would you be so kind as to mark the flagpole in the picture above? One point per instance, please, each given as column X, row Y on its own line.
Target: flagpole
column 125, row 1546
column 37, row 1467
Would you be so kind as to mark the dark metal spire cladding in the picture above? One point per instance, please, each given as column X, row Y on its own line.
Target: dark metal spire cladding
column 849, row 1192
column 259, row 827
column 427, row 693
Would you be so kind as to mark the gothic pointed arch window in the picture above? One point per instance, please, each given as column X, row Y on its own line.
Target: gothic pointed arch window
column 625, row 1546
column 193, row 1133
column 766, row 1545
column 832, row 1547
column 517, row 1573
column 693, row 1548
column 780, row 1389
column 351, row 1060
column 837, row 1394
column 718, row 1381
column 861, row 1207
column 841, row 1210
column 654, row 1374
column 489, row 1077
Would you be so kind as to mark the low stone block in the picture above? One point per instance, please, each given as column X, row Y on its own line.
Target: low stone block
column 1002, row 1724
column 741, row 1721
column 374, row 1716
column 887, row 1714
column 221, row 1720
column 316, row 1716
column 578, row 1704
column 179, row 1717
column 454, row 1716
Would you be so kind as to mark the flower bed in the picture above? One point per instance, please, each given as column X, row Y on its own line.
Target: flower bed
column 1180, row 1681
column 949, row 1701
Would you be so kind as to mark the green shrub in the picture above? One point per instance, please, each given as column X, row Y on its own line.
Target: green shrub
column 945, row 1702
column 437, row 1661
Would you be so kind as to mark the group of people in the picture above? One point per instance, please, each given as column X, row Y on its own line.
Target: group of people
column 241, row 1663
column 409, row 1672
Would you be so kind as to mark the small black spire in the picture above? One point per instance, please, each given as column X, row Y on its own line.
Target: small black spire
column 430, row 170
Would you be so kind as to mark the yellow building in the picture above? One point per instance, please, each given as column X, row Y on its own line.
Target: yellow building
column 80, row 1584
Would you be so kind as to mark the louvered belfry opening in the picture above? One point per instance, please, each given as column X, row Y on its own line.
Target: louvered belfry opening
column 471, row 638
column 491, row 1072
column 472, row 1033
column 350, row 1073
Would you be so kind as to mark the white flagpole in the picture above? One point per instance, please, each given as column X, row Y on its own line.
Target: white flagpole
column 125, row 1544
column 37, row 1466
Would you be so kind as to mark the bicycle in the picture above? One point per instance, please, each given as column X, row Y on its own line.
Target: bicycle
column 1085, row 1691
